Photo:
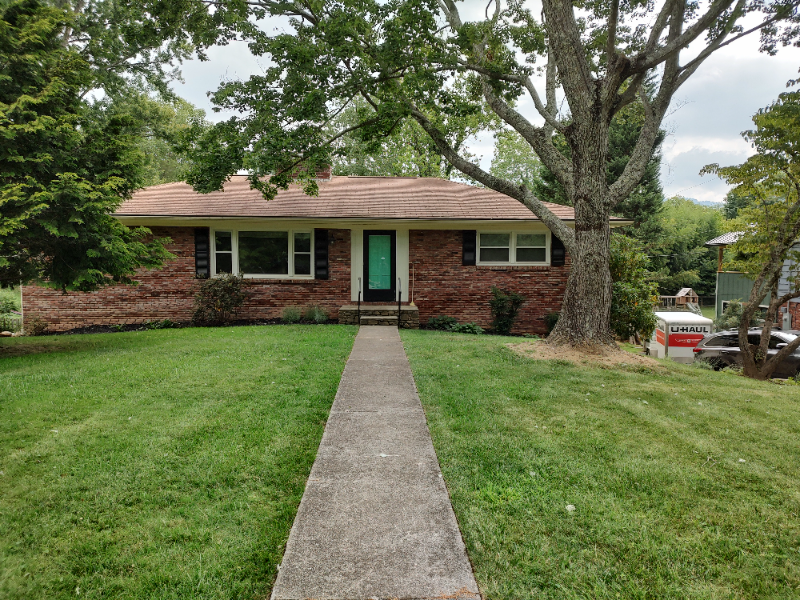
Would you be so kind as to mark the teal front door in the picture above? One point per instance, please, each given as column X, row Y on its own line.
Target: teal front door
column 380, row 258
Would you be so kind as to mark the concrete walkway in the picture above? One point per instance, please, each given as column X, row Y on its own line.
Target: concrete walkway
column 375, row 520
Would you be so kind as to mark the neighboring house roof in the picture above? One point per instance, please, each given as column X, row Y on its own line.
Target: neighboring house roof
column 423, row 198
column 725, row 239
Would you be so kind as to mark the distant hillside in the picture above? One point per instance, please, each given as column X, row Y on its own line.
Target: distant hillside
column 709, row 203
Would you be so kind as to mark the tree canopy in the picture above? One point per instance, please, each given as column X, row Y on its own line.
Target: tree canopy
column 406, row 150
column 78, row 125
column 65, row 165
column 769, row 223
column 678, row 254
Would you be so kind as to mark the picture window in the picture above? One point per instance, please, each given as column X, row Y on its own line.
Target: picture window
column 263, row 253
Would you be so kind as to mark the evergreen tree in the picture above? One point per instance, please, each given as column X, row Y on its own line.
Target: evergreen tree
column 65, row 164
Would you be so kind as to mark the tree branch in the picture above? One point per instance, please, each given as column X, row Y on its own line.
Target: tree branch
column 535, row 136
column 568, row 51
column 649, row 60
column 611, row 42
column 520, row 193
column 687, row 70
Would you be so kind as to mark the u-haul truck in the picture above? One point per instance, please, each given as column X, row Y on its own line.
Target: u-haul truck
column 676, row 335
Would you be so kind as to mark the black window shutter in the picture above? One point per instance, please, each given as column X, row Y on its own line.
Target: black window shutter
column 558, row 254
column 202, row 253
column 320, row 254
column 469, row 253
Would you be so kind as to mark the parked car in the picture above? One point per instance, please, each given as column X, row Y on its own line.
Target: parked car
column 721, row 350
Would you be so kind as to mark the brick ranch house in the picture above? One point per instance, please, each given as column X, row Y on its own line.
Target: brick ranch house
column 444, row 242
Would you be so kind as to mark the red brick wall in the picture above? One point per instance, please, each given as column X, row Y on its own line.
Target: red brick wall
column 443, row 286
column 794, row 309
column 168, row 293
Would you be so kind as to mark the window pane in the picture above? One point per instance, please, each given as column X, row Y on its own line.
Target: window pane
column 495, row 239
column 222, row 241
column 379, row 262
column 264, row 252
column 224, row 262
column 730, row 341
column 302, row 264
column 531, row 254
column 494, row 254
column 302, row 242
column 531, row 239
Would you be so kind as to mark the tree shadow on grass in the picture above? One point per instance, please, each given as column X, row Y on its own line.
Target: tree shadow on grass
column 16, row 347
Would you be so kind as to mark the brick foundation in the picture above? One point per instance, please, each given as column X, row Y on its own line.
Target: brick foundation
column 443, row 286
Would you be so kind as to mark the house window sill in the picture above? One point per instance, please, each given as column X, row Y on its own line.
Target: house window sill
column 281, row 280
column 537, row 267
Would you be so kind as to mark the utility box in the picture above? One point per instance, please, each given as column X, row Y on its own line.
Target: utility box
column 676, row 335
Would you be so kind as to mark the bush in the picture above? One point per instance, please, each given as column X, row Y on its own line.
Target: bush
column 505, row 306
column 291, row 314
column 35, row 325
column 219, row 299
column 10, row 323
column 9, row 301
column 705, row 365
column 442, row 323
column 634, row 293
column 550, row 320
column 315, row 314
column 732, row 317
column 473, row 328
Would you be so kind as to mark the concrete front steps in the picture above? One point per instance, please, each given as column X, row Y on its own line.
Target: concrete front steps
column 380, row 314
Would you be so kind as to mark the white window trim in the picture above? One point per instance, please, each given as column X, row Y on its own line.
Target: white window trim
column 235, row 253
column 512, row 250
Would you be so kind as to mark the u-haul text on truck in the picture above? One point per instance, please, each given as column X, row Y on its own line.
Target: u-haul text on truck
column 676, row 335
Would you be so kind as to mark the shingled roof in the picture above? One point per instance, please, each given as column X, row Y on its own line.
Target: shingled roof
column 725, row 239
column 413, row 198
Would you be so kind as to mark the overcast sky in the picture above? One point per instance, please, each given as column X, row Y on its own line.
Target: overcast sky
column 704, row 124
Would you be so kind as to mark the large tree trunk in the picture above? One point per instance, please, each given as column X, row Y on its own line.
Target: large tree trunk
column 586, row 310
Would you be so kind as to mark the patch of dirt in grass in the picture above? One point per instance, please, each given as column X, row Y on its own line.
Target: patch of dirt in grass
column 605, row 359
column 8, row 351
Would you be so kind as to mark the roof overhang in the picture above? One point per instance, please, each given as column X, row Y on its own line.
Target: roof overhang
column 186, row 220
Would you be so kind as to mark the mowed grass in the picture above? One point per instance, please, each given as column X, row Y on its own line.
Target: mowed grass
column 159, row 464
column 685, row 483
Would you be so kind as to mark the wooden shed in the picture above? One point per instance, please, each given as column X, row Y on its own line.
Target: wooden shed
column 685, row 296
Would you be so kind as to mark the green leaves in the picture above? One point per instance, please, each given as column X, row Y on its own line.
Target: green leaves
column 65, row 165
column 768, row 212
column 633, row 292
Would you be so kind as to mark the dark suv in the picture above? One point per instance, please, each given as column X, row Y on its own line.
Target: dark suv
column 721, row 349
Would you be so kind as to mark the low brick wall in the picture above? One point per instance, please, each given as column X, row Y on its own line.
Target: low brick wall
column 168, row 293
column 443, row 286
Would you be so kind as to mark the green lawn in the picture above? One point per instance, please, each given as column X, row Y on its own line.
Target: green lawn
column 159, row 464
column 652, row 462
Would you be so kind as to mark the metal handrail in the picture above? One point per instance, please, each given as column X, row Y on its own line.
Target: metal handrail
column 358, row 321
